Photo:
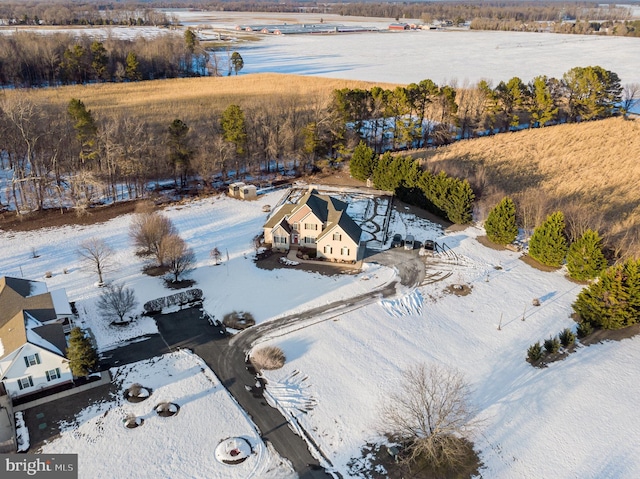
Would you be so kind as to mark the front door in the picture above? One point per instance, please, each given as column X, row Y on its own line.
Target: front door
column 295, row 239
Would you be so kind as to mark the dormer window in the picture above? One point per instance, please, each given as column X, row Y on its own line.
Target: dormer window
column 32, row 360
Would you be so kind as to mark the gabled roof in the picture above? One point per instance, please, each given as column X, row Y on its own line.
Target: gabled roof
column 279, row 215
column 321, row 205
column 24, row 306
column 344, row 221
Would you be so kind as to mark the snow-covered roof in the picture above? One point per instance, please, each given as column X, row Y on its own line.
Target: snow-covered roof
column 37, row 287
column 35, row 338
column 61, row 302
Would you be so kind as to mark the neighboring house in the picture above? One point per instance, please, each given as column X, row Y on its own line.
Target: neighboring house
column 318, row 222
column 33, row 323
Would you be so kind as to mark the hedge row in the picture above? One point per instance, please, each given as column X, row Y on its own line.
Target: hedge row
column 184, row 297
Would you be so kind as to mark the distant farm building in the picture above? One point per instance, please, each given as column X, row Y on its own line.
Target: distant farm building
column 399, row 26
column 303, row 28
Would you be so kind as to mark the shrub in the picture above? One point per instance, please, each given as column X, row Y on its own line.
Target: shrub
column 584, row 329
column 552, row 345
column 269, row 357
column 534, row 353
column 567, row 337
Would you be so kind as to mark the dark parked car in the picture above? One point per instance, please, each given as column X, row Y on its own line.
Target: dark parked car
column 429, row 245
column 396, row 241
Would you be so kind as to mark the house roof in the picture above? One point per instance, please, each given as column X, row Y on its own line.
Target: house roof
column 321, row 205
column 344, row 221
column 279, row 215
column 24, row 306
column 331, row 211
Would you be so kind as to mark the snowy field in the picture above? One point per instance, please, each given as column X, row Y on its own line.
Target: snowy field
column 404, row 57
column 446, row 57
column 177, row 447
column 576, row 418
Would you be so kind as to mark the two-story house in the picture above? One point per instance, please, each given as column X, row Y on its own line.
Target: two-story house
column 33, row 323
column 317, row 222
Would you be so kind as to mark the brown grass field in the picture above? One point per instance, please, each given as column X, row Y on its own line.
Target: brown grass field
column 190, row 99
column 592, row 164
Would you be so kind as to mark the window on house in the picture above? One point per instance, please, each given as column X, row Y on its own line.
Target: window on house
column 328, row 249
column 53, row 374
column 296, row 226
column 310, row 226
column 280, row 239
column 337, row 237
column 32, row 360
column 344, row 251
column 309, row 240
column 24, row 383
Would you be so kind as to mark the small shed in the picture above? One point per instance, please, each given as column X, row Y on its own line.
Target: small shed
column 243, row 191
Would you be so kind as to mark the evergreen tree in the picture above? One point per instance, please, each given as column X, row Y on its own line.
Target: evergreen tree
column 132, row 69
column 585, row 259
column 501, row 224
column 362, row 162
column 99, row 60
column 542, row 104
column 179, row 151
column 612, row 302
column 382, row 177
column 548, row 245
column 237, row 62
column 190, row 40
column 86, row 129
column 234, row 128
column 82, row 356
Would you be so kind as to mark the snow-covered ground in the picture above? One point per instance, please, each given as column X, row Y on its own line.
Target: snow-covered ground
column 576, row 418
column 403, row 57
column 177, row 447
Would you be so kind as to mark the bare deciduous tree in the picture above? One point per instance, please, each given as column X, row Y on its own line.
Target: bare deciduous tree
column 147, row 231
column 430, row 413
column 178, row 257
column 97, row 255
column 630, row 96
column 117, row 301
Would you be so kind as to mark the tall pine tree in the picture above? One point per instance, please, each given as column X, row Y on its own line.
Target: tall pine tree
column 548, row 245
column 501, row 224
column 585, row 259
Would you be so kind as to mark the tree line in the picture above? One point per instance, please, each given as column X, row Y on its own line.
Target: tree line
column 29, row 59
column 448, row 197
column 69, row 156
column 424, row 113
column 85, row 13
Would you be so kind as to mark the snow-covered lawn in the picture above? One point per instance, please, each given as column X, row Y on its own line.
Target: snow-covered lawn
column 236, row 284
column 576, row 418
column 180, row 446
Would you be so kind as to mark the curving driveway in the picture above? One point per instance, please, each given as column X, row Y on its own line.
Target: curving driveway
column 226, row 356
